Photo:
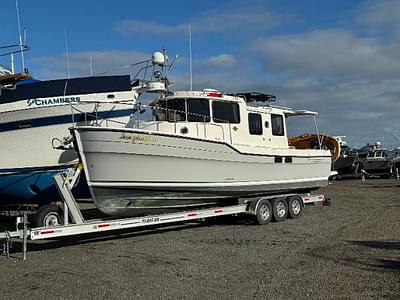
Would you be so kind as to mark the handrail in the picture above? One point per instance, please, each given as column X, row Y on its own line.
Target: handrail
column 205, row 117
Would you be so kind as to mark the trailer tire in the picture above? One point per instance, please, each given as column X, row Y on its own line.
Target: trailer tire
column 263, row 212
column 48, row 215
column 279, row 209
column 295, row 206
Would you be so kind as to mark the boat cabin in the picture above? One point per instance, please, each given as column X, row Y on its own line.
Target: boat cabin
column 238, row 119
column 377, row 154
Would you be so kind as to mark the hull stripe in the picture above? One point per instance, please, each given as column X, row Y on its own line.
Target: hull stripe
column 203, row 184
column 62, row 119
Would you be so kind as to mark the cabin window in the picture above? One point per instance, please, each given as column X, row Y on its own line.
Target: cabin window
column 198, row 110
column 277, row 125
column 255, row 124
column 176, row 110
column 225, row 112
column 288, row 159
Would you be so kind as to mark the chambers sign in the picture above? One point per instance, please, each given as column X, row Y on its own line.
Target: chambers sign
column 52, row 101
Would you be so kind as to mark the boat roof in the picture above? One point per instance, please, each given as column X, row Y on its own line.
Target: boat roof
column 75, row 86
column 292, row 112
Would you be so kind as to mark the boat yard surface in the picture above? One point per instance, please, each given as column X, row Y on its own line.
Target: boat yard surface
column 348, row 250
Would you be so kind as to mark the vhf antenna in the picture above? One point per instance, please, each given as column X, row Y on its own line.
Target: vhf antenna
column 190, row 59
column 21, row 47
column 67, row 54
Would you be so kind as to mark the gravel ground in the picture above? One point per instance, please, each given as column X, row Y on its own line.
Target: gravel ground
column 348, row 250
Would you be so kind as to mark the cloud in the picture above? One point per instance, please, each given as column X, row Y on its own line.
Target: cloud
column 51, row 67
column 139, row 27
column 360, row 110
column 229, row 21
column 222, row 61
column 380, row 15
column 237, row 20
column 330, row 53
column 364, row 115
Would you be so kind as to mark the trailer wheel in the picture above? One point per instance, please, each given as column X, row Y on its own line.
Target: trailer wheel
column 263, row 213
column 48, row 215
column 280, row 209
column 295, row 206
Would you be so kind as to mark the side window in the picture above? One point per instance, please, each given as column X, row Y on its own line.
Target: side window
column 277, row 125
column 176, row 110
column 198, row 110
column 225, row 112
column 255, row 124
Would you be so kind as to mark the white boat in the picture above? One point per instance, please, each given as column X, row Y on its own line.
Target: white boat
column 34, row 118
column 201, row 148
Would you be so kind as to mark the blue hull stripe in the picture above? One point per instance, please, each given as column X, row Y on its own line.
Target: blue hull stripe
column 63, row 119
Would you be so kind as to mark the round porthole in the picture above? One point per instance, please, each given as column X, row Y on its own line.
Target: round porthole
column 184, row 130
column 266, row 124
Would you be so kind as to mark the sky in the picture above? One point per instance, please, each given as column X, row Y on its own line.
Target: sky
column 340, row 58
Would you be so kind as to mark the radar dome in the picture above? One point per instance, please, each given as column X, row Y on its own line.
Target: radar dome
column 158, row 58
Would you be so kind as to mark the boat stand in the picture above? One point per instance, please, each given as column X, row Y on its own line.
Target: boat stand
column 6, row 237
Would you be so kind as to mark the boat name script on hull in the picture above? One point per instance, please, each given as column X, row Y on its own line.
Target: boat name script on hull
column 52, row 101
column 138, row 138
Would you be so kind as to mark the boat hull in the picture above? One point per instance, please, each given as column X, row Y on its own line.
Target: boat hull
column 378, row 166
column 133, row 172
column 345, row 165
column 34, row 186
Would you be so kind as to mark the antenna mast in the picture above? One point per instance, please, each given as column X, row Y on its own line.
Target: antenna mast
column 190, row 58
column 91, row 65
column 21, row 47
column 66, row 53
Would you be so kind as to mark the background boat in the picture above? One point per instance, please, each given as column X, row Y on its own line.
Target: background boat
column 34, row 119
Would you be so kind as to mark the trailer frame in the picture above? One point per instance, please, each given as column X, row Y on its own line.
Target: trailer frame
column 79, row 226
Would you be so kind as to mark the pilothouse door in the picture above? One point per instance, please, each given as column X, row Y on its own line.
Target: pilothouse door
column 227, row 115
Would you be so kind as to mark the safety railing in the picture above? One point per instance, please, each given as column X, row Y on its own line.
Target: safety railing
column 162, row 116
column 140, row 119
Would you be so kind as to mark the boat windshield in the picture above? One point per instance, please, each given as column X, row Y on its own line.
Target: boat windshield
column 182, row 109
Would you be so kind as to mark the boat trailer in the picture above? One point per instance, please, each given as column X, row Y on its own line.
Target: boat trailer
column 262, row 208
